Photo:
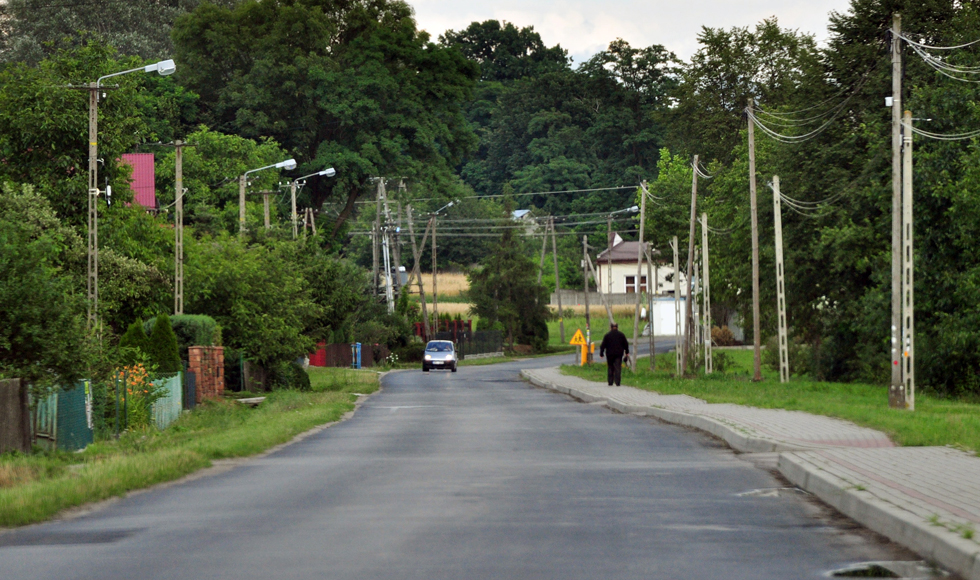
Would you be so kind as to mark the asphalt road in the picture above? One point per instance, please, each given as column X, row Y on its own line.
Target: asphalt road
column 469, row 475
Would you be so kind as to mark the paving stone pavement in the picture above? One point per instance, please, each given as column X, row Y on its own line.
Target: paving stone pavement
column 925, row 498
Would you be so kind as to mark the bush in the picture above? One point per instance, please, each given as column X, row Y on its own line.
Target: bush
column 287, row 375
column 722, row 336
column 410, row 353
column 800, row 356
column 191, row 330
column 134, row 344
column 163, row 347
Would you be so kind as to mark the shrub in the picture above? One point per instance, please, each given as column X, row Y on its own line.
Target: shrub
column 800, row 356
column 722, row 336
column 410, row 353
column 191, row 330
column 287, row 375
column 163, row 347
column 133, row 344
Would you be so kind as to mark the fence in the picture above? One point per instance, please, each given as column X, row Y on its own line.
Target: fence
column 64, row 419
column 339, row 355
column 474, row 343
column 15, row 422
column 167, row 408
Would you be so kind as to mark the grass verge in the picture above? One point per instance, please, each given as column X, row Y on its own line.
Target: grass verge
column 36, row 487
column 552, row 351
column 935, row 421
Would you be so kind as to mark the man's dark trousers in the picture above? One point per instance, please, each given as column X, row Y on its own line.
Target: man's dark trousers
column 614, row 366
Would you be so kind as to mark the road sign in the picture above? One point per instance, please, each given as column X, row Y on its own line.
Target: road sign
column 578, row 339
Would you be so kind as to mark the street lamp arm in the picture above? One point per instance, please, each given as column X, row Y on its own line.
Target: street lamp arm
column 330, row 172
column 164, row 67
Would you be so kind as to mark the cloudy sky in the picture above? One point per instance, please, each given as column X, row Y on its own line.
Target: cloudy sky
column 584, row 27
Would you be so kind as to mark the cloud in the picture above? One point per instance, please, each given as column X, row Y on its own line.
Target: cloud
column 586, row 27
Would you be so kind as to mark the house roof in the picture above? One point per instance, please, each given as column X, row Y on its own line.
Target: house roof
column 144, row 178
column 520, row 213
column 621, row 252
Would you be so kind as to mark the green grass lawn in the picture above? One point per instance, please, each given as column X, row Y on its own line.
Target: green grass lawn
column 600, row 326
column 35, row 487
column 935, row 421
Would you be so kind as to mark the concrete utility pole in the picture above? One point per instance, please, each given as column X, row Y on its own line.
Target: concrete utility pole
column 677, row 307
column 585, row 275
column 908, row 278
column 706, row 290
column 396, row 242
column 265, row 209
column 639, row 273
column 554, row 254
column 435, row 294
column 386, row 246
column 93, row 207
column 292, row 200
column 896, row 392
column 777, row 210
column 598, row 287
column 650, row 293
column 416, row 271
column 689, row 317
column 544, row 248
column 374, row 255
column 609, row 237
column 179, row 228
column 756, row 311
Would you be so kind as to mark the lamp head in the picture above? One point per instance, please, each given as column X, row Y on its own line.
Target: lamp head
column 288, row 164
column 164, row 67
column 329, row 172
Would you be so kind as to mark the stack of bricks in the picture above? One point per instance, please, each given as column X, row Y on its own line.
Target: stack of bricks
column 208, row 365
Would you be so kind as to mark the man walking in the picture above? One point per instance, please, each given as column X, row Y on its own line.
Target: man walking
column 616, row 345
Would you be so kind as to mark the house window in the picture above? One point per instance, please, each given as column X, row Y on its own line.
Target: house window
column 631, row 284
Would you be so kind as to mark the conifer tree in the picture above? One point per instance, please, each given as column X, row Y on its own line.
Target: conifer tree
column 163, row 346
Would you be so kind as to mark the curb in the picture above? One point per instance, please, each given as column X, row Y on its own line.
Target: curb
column 935, row 543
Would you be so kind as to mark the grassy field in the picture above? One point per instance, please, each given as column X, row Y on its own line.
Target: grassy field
column 935, row 421
column 35, row 487
column 599, row 324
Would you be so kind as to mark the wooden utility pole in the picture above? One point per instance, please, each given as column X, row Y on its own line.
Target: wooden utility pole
column 756, row 311
column 639, row 273
column 416, row 271
column 908, row 278
column 435, row 294
column 709, row 365
column 777, row 211
column 554, row 254
column 896, row 392
column 585, row 275
column 677, row 307
column 689, row 305
column 179, row 228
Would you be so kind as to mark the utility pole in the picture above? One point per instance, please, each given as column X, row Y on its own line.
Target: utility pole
column 896, row 392
column 598, row 287
column 386, row 245
column 93, row 208
column 435, row 294
column 374, row 254
column 609, row 237
column 416, row 271
column 639, row 272
column 709, row 365
column 265, row 209
column 242, row 182
column 650, row 291
column 554, row 254
column 179, row 228
column 908, row 290
column 689, row 306
column 677, row 307
column 756, row 311
column 777, row 211
column 292, row 198
column 544, row 246
column 397, row 240
column 585, row 275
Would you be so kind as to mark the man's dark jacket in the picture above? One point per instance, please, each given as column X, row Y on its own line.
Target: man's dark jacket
column 614, row 344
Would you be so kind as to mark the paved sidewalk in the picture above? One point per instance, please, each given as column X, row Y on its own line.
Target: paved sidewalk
column 925, row 498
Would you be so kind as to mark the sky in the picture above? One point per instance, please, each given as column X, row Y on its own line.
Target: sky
column 584, row 27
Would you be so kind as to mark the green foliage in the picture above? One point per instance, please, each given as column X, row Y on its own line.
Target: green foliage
column 163, row 348
column 134, row 343
column 505, row 290
column 190, row 330
column 800, row 356
column 350, row 85
column 410, row 353
column 287, row 375
column 43, row 339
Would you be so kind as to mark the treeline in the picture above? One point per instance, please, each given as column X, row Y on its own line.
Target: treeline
column 465, row 116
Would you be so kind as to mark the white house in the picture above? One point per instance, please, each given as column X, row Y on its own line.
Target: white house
column 617, row 271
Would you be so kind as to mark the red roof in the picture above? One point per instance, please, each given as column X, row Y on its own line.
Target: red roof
column 144, row 178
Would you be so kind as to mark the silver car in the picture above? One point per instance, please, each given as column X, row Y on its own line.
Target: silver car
column 439, row 354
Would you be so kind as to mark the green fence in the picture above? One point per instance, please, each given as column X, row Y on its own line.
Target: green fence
column 64, row 419
column 167, row 408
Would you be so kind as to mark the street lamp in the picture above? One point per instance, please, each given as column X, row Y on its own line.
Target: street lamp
column 164, row 68
column 288, row 165
column 328, row 172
